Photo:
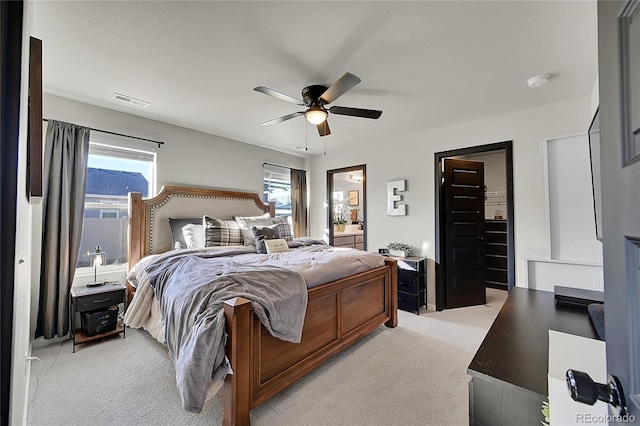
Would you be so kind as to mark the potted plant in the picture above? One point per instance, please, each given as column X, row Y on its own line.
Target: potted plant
column 399, row 249
column 340, row 224
column 342, row 212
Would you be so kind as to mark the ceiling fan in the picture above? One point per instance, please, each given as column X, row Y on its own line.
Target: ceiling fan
column 315, row 98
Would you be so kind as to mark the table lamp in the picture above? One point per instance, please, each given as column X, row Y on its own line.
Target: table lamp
column 98, row 258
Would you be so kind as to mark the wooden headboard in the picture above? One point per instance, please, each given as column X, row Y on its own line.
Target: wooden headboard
column 149, row 230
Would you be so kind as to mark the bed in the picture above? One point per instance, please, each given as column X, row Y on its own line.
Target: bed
column 338, row 313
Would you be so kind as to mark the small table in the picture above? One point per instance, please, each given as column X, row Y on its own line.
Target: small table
column 86, row 299
column 412, row 283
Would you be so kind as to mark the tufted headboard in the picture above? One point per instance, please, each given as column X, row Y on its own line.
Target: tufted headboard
column 149, row 230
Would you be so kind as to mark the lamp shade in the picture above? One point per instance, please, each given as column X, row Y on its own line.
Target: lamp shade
column 316, row 115
column 98, row 257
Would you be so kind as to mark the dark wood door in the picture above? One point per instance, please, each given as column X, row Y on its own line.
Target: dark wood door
column 464, row 233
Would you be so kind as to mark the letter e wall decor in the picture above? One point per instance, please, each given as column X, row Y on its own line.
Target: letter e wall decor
column 393, row 208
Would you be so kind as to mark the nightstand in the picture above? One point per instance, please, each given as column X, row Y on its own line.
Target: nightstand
column 96, row 303
column 412, row 283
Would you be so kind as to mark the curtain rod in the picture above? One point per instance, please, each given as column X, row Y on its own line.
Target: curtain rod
column 160, row 143
column 282, row 167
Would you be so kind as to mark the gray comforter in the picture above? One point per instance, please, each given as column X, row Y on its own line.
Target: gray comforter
column 191, row 289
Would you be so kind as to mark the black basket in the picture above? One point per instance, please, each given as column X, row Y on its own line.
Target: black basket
column 100, row 321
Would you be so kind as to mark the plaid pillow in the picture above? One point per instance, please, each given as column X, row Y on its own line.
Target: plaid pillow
column 221, row 232
column 284, row 227
column 246, row 222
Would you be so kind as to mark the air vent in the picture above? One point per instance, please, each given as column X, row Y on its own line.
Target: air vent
column 129, row 100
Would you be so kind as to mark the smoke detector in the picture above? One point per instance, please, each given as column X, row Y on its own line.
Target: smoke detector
column 129, row 100
column 538, row 80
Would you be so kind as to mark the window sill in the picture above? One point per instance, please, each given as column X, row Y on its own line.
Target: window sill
column 102, row 270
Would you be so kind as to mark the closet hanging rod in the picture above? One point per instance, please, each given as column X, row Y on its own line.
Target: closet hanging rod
column 160, row 143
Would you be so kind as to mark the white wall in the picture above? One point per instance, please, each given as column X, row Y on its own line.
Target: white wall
column 571, row 216
column 411, row 157
column 573, row 257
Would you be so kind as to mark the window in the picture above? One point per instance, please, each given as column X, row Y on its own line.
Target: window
column 277, row 187
column 115, row 168
column 108, row 214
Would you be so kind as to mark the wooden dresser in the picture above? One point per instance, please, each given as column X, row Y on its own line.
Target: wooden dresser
column 344, row 239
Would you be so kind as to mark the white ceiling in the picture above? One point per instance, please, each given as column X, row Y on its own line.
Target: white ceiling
column 424, row 64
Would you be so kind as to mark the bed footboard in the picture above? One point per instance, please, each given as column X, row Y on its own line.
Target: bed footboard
column 338, row 314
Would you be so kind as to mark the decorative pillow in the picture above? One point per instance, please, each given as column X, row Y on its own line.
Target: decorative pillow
column 177, row 236
column 262, row 234
column 246, row 222
column 284, row 227
column 276, row 246
column 221, row 232
column 193, row 235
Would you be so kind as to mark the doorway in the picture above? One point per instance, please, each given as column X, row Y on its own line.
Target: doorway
column 347, row 205
column 498, row 204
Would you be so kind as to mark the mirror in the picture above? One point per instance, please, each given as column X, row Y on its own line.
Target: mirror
column 347, row 200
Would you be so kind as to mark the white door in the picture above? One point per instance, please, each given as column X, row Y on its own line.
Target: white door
column 619, row 73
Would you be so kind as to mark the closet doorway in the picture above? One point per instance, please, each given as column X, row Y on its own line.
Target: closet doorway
column 475, row 249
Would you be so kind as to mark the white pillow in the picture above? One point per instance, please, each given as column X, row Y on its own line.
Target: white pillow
column 193, row 235
column 276, row 246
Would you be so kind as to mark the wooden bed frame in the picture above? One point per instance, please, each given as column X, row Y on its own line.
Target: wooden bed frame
column 338, row 313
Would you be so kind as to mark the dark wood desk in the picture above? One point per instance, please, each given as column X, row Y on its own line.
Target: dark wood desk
column 509, row 371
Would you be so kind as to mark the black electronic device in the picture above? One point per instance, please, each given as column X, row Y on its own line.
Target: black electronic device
column 577, row 296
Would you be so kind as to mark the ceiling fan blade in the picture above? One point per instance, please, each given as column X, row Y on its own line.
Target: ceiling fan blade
column 356, row 112
column 279, row 95
column 283, row 118
column 323, row 128
column 340, row 87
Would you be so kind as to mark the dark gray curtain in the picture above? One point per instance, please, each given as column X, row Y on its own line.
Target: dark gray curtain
column 66, row 153
column 299, row 210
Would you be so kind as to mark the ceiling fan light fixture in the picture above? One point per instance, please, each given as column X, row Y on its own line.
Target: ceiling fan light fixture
column 315, row 115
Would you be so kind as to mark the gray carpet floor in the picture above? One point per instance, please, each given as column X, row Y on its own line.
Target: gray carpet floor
column 415, row 374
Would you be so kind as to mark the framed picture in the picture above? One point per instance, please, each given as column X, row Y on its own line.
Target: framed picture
column 354, row 197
